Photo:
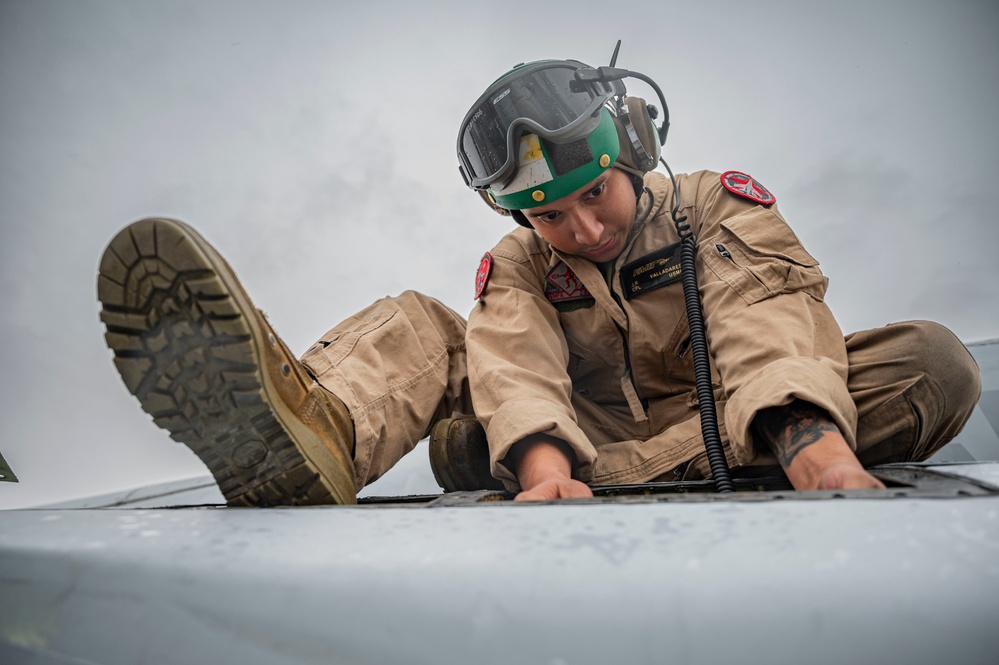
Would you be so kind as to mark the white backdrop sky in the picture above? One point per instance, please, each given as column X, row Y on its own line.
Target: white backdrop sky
column 313, row 143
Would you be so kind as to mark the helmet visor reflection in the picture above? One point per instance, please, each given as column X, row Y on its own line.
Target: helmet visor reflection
column 543, row 98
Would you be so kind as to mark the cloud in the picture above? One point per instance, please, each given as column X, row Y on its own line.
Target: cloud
column 314, row 146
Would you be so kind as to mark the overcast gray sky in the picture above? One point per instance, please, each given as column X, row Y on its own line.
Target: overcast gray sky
column 313, row 143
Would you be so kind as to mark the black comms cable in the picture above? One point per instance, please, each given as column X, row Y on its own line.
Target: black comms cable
column 691, row 295
column 699, row 347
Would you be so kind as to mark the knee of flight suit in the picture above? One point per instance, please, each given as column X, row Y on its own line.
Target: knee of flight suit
column 941, row 387
column 941, row 357
column 432, row 317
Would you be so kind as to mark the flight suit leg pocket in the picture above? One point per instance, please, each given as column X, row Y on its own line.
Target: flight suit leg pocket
column 330, row 350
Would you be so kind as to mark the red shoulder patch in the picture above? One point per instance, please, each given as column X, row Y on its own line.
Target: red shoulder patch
column 562, row 285
column 482, row 275
column 747, row 187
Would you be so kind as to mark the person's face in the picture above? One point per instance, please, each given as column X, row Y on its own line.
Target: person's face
column 592, row 222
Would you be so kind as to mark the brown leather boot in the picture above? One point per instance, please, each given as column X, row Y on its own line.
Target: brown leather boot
column 208, row 367
column 459, row 456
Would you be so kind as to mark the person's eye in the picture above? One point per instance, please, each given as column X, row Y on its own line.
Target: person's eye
column 598, row 190
column 548, row 217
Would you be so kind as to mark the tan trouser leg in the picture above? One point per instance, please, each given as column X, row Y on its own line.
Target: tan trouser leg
column 915, row 386
column 399, row 366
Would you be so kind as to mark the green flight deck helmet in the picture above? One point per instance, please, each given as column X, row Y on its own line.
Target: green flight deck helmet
column 547, row 128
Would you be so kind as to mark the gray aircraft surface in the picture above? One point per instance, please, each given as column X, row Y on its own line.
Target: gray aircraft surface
column 651, row 573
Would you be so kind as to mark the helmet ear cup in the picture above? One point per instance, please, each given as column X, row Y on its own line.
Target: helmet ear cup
column 641, row 134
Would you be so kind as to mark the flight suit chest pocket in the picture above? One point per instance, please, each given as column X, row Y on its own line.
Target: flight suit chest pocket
column 759, row 256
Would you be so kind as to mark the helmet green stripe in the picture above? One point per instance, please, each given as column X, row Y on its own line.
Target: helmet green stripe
column 604, row 149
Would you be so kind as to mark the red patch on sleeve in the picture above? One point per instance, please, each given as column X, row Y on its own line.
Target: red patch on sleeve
column 563, row 285
column 747, row 187
column 482, row 275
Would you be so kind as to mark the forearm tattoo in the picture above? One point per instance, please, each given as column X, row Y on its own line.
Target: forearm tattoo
column 790, row 429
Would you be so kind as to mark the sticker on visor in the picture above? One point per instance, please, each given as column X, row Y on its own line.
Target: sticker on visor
column 532, row 167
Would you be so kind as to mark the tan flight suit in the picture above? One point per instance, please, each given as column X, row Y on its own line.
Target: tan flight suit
column 569, row 354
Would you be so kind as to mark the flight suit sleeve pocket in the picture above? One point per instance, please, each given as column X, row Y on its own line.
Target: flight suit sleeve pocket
column 759, row 256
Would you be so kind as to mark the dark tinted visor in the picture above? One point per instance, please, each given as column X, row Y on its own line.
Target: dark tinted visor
column 545, row 98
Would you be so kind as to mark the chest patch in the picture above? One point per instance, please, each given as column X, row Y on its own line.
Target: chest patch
column 747, row 187
column 651, row 272
column 564, row 290
column 482, row 274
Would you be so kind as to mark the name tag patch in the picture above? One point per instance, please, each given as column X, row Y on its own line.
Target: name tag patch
column 651, row 272
column 564, row 290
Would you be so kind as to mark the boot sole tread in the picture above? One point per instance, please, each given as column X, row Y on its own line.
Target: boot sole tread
column 184, row 348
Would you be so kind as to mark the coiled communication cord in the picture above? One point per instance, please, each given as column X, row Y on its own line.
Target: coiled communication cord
column 692, row 297
column 699, row 346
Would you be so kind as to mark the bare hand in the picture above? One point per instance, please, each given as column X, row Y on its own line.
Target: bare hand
column 544, row 469
column 811, row 449
column 558, row 487
column 848, row 477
